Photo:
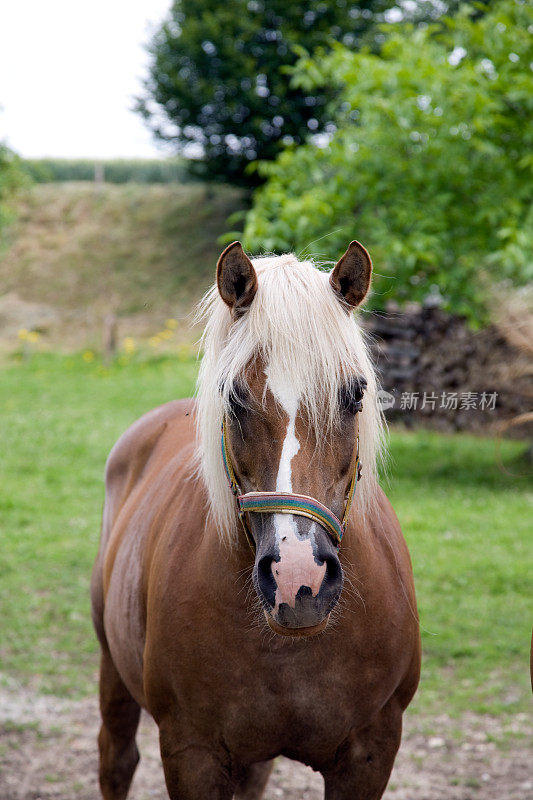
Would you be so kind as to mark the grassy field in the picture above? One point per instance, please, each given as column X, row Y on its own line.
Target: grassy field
column 466, row 522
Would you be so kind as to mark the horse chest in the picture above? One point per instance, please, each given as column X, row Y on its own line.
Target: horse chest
column 282, row 697
column 305, row 710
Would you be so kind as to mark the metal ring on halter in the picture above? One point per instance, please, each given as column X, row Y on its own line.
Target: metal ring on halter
column 288, row 502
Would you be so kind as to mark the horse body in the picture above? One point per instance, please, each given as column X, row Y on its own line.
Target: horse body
column 182, row 638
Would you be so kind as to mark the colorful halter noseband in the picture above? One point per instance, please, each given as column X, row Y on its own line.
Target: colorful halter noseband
column 287, row 502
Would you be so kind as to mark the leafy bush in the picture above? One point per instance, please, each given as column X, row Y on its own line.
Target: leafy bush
column 429, row 166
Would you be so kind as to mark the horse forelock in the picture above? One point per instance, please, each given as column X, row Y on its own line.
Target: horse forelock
column 299, row 332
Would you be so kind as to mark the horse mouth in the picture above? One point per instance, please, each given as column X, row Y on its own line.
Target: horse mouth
column 283, row 630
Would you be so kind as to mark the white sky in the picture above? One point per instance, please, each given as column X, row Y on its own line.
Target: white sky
column 69, row 70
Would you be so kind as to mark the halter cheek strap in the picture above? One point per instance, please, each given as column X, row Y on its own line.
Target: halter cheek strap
column 287, row 502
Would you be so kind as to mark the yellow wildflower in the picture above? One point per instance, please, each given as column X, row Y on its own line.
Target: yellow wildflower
column 128, row 345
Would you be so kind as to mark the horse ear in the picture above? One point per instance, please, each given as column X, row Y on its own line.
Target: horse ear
column 350, row 279
column 236, row 278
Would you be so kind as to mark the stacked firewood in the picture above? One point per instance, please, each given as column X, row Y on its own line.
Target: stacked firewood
column 441, row 373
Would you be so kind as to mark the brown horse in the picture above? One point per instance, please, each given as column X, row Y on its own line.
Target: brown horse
column 239, row 639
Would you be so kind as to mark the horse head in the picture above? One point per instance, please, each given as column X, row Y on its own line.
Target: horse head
column 291, row 377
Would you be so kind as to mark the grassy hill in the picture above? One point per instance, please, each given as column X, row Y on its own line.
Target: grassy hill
column 78, row 251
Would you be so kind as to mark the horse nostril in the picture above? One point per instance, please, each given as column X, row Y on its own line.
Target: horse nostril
column 265, row 579
column 264, row 566
column 333, row 571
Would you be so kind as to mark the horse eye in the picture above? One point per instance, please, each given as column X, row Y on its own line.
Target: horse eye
column 239, row 400
column 351, row 395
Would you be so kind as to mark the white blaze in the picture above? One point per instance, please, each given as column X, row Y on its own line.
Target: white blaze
column 297, row 566
column 288, row 399
column 291, row 445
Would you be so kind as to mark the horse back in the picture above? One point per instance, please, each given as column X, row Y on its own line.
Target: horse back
column 131, row 456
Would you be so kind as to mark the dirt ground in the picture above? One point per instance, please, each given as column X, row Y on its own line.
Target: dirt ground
column 48, row 752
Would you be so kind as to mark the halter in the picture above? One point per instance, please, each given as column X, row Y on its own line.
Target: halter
column 287, row 502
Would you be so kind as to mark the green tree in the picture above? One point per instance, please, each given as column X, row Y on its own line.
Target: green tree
column 429, row 166
column 218, row 76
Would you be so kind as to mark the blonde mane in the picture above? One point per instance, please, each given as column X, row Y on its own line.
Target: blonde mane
column 300, row 330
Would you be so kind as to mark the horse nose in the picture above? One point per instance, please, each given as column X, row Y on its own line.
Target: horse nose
column 298, row 587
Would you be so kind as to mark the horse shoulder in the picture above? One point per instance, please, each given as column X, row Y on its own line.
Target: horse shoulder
column 378, row 566
column 125, row 466
column 402, row 598
column 388, row 532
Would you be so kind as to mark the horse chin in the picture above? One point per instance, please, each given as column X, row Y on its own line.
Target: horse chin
column 296, row 632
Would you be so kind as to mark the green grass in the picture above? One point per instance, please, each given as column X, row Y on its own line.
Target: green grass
column 468, row 527
column 465, row 521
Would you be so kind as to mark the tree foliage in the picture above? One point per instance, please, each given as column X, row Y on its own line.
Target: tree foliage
column 218, row 80
column 429, row 165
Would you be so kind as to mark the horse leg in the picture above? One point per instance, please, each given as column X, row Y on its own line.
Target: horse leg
column 116, row 741
column 252, row 786
column 193, row 771
column 364, row 763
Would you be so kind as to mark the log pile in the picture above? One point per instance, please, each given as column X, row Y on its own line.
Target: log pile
column 442, row 374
